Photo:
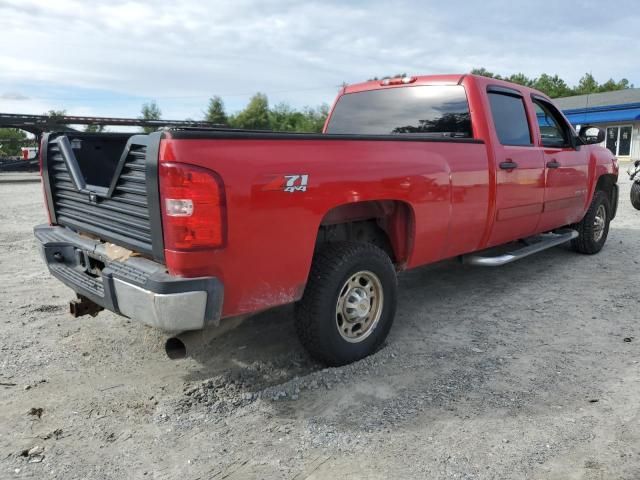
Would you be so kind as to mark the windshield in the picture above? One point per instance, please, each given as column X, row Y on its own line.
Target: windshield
column 432, row 110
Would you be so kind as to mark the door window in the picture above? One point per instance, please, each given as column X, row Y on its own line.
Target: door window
column 553, row 129
column 510, row 119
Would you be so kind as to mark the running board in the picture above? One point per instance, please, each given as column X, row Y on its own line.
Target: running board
column 534, row 245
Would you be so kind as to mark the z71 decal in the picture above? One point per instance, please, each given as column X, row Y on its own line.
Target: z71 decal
column 288, row 183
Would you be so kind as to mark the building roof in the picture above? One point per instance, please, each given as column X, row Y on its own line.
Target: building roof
column 618, row 97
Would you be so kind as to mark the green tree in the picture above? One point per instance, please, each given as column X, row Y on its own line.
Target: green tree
column 624, row 83
column 215, row 111
column 587, row 84
column 94, row 128
column 314, row 118
column 521, row 79
column 485, row 73
column 11, row 141
column 150, row 111
column 553, row 86
column 55, row 113
column 283, row 118
column 55, row 117
column 611, row 85
column 255, row 115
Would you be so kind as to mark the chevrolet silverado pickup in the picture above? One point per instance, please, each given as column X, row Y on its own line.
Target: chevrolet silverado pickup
column 183, row 227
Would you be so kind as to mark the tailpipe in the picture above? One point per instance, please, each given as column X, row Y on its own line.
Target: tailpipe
column 191, row 343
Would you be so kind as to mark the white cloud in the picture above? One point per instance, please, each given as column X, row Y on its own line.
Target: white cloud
column 294, row 51
column 13, row 96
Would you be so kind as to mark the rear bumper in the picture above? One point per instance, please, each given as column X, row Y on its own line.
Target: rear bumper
column 135, row 287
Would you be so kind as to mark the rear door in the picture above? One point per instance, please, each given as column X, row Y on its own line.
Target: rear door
column 566, row 168
column 519, row 167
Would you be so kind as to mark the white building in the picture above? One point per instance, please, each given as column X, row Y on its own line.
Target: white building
column 618, row 113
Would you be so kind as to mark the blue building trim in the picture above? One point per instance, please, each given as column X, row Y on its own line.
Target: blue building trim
column 629, row 112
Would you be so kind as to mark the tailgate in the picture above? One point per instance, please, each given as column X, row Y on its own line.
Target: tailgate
column 105, row 185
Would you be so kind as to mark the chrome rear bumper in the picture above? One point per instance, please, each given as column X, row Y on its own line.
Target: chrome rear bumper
column 137, row 287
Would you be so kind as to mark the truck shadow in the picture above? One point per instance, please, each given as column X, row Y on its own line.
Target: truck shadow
column 264, row 352
column 264, row 342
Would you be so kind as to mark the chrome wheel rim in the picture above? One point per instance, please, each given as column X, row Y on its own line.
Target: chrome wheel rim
column 599, row 223
column 359, row 306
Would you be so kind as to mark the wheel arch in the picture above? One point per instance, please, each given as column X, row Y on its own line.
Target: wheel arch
column 608, row 183
column 389, row 224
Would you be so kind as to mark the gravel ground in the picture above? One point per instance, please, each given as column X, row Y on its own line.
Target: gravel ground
column 527, row 371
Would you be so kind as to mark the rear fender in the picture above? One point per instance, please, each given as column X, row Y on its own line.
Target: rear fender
column 395, row 220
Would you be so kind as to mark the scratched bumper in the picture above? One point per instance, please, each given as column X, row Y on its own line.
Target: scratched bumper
column 137, row 288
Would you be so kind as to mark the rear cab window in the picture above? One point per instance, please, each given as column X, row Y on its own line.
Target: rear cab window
column 426, row 110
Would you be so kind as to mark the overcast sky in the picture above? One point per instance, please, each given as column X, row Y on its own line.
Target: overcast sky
column 108, row 57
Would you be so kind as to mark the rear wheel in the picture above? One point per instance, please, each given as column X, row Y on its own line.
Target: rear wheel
column 635, row 195
column 348, row 304
column 593, row 229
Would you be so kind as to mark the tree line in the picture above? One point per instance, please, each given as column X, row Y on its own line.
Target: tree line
column 555, row 87
column 257, row 115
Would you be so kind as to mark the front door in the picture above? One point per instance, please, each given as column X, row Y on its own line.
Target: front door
column 619, row 140
column 624, row 141
column 566, row 169
column 519, row 167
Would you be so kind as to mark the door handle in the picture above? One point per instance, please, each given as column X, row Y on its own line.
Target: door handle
column 553, row 164
column 508, row 165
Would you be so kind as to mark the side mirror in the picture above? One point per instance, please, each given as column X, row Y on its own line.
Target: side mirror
column 591, row 135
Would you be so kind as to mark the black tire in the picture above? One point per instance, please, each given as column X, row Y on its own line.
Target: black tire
column 317, row 319
column 589, row 239
column 635, row 195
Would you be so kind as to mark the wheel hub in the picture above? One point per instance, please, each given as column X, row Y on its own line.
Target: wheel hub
column 359, row 306
column 599, row 223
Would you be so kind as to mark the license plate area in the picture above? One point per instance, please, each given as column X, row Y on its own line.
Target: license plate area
column 88, row 263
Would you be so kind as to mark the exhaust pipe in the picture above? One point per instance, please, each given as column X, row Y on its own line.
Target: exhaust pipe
column 189, row 344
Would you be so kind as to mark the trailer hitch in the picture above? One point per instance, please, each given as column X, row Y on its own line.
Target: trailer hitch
column 83, row 306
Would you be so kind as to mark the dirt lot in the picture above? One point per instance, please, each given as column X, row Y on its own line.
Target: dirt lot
column 528, row 371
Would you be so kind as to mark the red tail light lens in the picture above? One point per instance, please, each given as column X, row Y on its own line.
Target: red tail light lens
column 193, row 207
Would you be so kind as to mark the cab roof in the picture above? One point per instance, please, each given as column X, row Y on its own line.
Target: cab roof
column 451, row 79
column 448, row 79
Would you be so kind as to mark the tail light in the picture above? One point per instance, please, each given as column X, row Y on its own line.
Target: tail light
column 193, row 207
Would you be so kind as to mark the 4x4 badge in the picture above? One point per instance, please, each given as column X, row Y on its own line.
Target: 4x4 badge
column 289, row 183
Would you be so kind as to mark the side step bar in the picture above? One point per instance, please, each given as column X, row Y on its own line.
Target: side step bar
column 533, row 245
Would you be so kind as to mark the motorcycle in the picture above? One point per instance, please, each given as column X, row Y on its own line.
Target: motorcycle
column 634, row 175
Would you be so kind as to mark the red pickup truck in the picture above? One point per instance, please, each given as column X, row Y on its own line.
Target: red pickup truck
column 184, row 227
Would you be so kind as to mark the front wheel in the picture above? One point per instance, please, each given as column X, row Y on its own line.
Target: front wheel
column 593, row 229
column 348, row 304
column 635, row 195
